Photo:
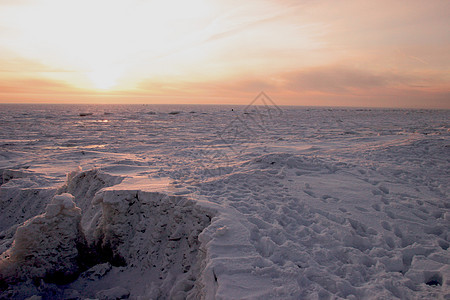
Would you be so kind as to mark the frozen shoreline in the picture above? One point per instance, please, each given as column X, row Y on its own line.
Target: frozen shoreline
column 304, row 203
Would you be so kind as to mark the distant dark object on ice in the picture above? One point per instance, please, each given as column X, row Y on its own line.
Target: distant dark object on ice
column 174, row 112
column 85, row 114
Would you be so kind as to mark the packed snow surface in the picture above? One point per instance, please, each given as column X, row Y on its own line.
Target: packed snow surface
column 218, row 202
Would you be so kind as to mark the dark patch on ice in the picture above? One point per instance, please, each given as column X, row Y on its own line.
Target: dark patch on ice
column 103, row 253
column 434, row 280
column 443, row 244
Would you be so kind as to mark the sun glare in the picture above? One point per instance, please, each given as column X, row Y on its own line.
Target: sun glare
column 104, row 79
column 103, row 39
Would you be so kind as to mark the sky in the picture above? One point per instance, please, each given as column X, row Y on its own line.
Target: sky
column 315, row 53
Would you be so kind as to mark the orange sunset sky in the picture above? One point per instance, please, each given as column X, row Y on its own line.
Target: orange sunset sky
column 343, row 53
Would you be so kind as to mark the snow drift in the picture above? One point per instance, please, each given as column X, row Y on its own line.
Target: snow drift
column 149, row 233
column 156, row 233
column 46, row 246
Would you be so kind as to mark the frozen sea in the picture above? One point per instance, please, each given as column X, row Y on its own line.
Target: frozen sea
column 223, row 202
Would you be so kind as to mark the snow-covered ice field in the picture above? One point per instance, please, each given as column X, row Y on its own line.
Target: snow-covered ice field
column 221, row 202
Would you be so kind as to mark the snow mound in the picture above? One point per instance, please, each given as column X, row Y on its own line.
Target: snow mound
column 23, row 195
column 83, row 185
column 149, row 241
column 155, row 233
column 46, row 246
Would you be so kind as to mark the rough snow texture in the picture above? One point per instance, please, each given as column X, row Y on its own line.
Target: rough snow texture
column 83, row 186
column 151, row 234
column 310, row 203
column 314, row 237
column 46, row 246
column 23, row 195
column 156, row 233
column 117, row 292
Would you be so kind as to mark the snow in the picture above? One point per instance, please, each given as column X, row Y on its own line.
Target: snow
column 46, row 246
column 113, row 293
column 256, row 202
